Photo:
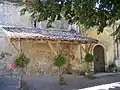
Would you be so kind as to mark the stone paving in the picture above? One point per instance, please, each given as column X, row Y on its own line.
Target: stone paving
column 49, row 82
column 8, row 83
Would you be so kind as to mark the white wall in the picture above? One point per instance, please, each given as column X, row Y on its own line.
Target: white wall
column 6, row 48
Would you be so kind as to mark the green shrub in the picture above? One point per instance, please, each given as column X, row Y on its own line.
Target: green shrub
column 21, row 61
column 89, row 58
column 59, row 60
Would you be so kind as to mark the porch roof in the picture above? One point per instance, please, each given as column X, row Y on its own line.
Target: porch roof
column 35, row 33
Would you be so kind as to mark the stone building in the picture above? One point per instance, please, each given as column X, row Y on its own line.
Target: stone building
column 40, row 45
column 18, row 33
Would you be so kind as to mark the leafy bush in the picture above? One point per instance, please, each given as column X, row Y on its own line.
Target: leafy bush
column 59, row 60
column 21, row 61
column 89, row 58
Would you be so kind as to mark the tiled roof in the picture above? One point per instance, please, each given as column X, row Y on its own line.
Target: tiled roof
column 15, row 32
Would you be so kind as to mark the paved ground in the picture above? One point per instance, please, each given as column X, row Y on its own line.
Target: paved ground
column 49, row 82
column 111, row 86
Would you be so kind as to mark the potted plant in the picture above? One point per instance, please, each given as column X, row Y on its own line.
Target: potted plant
column 89, row 58
column 20, row 62
column 59, row 61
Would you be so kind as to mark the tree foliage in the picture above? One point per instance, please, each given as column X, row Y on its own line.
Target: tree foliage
column 82, row 12
column 21, row 60
column 89, row 58
column 59, row 60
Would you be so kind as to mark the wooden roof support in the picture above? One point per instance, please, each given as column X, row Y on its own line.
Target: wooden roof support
column 58, row 46
column 82, row 48
column 87, row 48
column 19, row 46
column 19, row 50
column 42, row 40
column 91, row 47
column 51, row 46
column 13, row 46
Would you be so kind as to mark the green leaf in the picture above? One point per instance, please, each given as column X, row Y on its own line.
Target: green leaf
column 59, row 60
column 21, row 61
column 89, row 58
column 82, row 12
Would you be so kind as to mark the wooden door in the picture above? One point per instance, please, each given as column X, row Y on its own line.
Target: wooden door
column 99, row 63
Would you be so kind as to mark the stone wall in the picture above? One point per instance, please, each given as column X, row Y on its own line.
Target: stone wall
column 41, row 55
column 10, row 15
column 106, row 41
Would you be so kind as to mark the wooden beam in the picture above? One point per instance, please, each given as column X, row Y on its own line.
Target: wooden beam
column 89, row 47
column 82, row 48
column 46, row 40
column 51, row 46
column 13, row 46
column 86, row 48
column 58, row 46
column 19, row 45
column 42, row 41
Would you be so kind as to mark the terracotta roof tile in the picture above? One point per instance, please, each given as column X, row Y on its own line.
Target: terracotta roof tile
column 15, row 32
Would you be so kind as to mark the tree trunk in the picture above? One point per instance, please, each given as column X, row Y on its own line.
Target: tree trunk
column 60, row 78
column 88, row 68
column 21, row 80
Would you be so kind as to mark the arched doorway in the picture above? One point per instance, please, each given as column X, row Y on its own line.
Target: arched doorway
column 99, row 63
